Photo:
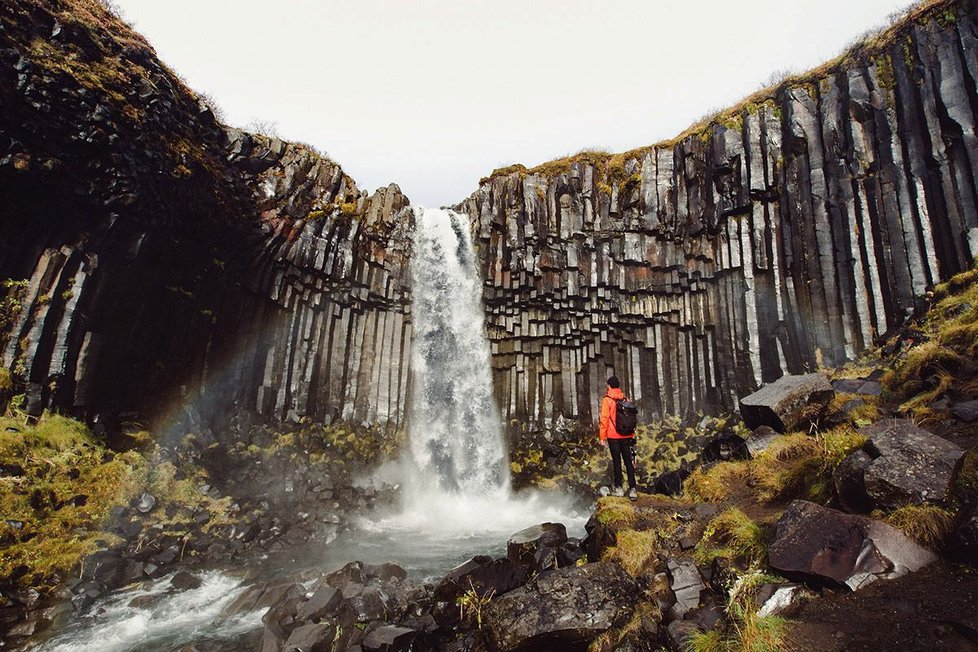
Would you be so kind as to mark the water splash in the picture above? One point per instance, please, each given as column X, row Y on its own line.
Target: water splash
column 154, row 617
column 455, row 434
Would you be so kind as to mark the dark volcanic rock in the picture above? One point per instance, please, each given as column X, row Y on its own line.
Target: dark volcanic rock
column 524, row 546
column 910, row 465
column 687, row 584
column 787, row 402
column 310, row 638
column 826, row 547
column 184, row 581
column 325, row 600
column 560, row 610
column 963, row 543
column 389, row 638
column 482, row 574
column 760, row 439
column 849, row 479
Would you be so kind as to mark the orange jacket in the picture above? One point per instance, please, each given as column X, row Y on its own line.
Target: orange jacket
column 606, row 427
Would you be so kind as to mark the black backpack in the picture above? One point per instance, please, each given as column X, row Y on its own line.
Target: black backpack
column 626, row 417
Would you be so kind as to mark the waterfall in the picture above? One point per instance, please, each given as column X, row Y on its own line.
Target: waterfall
column 455, row 435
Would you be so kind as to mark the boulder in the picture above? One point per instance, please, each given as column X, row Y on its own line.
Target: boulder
column 966, row 411
column 825, row 547
column 352, row 572
column 310, row 638
column 389, row 638
column 184, row 581
column 760, row 439
column 849, row 479
column 687, row 584
column 482, row 574
column 322, row 602
column 524, row 546
column 560, row 610
column 385, row 572
column 910, row 465
column 788, row 402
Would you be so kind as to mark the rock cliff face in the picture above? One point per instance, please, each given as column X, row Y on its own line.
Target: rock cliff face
column 793, row 230
column 156, row 257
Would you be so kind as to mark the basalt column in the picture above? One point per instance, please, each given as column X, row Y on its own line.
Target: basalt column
column 790, row 232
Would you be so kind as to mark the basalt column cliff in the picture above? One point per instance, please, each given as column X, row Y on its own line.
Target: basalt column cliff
column 791, row 231
column 153, row 257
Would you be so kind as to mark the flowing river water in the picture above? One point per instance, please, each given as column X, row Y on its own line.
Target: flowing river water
column 456, row 500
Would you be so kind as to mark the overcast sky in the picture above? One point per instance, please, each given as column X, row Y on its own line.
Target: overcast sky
column 434, row 94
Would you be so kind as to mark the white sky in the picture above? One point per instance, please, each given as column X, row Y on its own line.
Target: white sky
column 434, row 94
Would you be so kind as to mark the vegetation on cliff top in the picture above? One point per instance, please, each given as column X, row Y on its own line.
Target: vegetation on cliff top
column 872, row 48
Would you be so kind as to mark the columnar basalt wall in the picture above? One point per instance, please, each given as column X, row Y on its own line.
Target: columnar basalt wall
column 154, row 258
column 792, row 231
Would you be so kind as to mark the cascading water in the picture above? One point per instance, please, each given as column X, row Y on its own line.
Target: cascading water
column 455, row 434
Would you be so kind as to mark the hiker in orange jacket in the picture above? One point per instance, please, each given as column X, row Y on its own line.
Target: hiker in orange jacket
column 619, row 445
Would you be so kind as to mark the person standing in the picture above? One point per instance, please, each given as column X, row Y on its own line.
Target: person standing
column 620, row 445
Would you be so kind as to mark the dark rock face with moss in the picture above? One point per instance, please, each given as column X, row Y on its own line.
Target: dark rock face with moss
column 156, row 254
column 789, row 232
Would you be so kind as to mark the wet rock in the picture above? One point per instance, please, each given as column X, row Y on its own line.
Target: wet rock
column 788, row 402
column 564, row 609
column 523, row 546
column 322, row 602
column 263, row 596
column 760, row 439
column 910, row 464
column 385, row 572
column 825, row 547
column 351, row 573
column 481, row 574
column 389, row 638
column 184, row 581
column 849, row 479
column 310, row 638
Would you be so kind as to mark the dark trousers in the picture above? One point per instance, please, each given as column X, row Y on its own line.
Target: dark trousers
column 622, row 448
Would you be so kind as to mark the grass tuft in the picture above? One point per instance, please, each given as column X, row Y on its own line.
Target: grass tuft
column 633, row 550
column 732, row 535
column 928, row 525
column 716, row 483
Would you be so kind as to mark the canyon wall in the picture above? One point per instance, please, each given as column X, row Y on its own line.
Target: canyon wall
column 158, row 264
column 792, row 231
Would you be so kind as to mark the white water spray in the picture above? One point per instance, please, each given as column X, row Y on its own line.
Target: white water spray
column 455, row 434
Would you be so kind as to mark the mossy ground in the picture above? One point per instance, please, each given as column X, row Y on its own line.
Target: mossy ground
column 58, row 484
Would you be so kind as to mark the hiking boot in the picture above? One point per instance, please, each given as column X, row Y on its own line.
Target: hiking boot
column 632, row 494
column 618, row 491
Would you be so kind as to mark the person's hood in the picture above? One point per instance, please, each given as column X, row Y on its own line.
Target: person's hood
column 615, row 393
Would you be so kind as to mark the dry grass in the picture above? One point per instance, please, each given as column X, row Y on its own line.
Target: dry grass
column 745, row 631
column 732, row 535
column 633, row 550
column 928, row 525
column 718, row 482
column 931, row 369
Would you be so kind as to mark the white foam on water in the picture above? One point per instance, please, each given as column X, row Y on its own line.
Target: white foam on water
column 171, row 620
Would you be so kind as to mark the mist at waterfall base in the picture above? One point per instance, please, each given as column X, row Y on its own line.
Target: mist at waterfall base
column 456, row 500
